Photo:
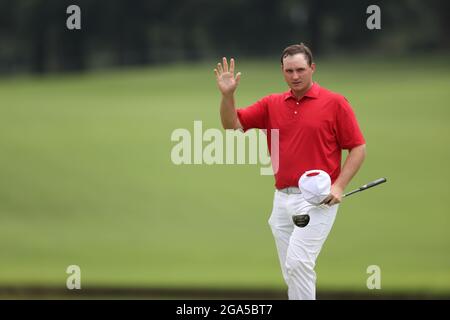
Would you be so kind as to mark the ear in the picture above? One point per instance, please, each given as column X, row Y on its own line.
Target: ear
column 313, row 67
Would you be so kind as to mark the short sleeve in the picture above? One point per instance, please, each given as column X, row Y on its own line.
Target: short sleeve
column 349, row 134
column 254, row 116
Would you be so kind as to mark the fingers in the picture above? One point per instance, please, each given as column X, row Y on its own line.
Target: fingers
column 232, row 66
column 327, row 199
column 331, row 200
column 223, row 67
column 238, row 78
column 225, row 64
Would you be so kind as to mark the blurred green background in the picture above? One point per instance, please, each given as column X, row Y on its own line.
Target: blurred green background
column 86, row 119
column 86, row 178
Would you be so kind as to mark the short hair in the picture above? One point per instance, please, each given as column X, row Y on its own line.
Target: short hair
column 295, row 49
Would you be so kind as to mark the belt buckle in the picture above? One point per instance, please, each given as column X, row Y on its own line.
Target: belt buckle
column 294, row 190
column 290, row 190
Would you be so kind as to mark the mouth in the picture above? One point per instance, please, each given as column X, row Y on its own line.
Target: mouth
column 296, row 83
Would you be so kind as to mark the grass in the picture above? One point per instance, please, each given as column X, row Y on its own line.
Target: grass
column 86, row 178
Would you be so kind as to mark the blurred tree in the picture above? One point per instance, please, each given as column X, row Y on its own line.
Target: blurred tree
column 33, row 33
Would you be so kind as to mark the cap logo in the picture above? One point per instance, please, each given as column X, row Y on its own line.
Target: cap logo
column 312, row 174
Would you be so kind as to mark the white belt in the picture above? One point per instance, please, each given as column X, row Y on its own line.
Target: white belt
column 290, row 190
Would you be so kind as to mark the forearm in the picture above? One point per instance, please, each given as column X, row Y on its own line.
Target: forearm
column 351, row 166
column 228, row 112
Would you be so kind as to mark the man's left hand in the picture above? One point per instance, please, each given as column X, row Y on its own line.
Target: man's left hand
column 335, row 196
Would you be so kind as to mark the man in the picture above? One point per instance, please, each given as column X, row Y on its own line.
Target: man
column 314, row 125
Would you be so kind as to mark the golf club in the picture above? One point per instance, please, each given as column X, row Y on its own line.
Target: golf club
column 302, row 220
column 366, row 186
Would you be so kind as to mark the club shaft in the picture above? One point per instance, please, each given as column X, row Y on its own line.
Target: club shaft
column 366, row 186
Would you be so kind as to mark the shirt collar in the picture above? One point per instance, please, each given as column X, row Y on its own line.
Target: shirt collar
column 313, row 92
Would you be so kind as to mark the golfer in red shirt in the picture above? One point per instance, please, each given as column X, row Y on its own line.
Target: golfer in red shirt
column 314, row 125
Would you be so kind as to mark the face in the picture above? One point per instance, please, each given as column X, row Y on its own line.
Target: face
column 297, row 72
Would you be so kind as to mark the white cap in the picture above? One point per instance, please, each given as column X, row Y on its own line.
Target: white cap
column 315, row 186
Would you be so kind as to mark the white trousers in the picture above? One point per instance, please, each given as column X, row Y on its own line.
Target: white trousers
column 297, row 247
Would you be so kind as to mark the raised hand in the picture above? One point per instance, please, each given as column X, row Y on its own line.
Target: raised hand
column 226, row 81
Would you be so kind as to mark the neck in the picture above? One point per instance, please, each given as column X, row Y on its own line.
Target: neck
column 300, row 94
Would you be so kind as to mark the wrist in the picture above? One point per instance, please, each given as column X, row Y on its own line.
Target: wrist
column 339, row 186
column 228, row 95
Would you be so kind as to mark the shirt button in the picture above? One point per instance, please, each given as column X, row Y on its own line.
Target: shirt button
column 295, row 112
column 297, row 102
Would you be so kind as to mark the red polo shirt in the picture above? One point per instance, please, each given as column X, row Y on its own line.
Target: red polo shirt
column 312, row 131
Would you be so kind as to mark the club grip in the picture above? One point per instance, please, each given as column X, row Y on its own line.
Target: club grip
column 373, row 183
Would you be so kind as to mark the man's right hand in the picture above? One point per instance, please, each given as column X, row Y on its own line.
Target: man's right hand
column 226, row 81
